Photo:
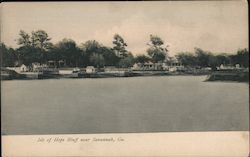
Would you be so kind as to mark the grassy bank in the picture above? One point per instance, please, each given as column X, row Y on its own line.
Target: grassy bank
column 239, row 76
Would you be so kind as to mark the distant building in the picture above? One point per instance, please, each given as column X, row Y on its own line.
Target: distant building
column 52, row 63
column 227, row 67
column 174, row 66
column 90, row 69
column 136, row 66
column 148, row 66
column 24, row 68
column 143, row 66
column 36, row 66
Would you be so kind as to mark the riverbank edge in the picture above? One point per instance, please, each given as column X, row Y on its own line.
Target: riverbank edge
column 35, row 76
column 238, row 76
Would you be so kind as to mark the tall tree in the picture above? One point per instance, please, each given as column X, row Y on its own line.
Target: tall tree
column 127, row 61
column 109, row 56
column 24, row 39
column 88, row 49
column 186, row 58
column 202, row 57
column 41, row 40
column 243, row 57
column 97, row 60
column 8, row 56
column 26, row 53
column 68, row 51
column 156, row 41
column 33, row 47
column 120, row 46
column 156, row 51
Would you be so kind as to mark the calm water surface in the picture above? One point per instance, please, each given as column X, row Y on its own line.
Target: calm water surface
column 116, row 105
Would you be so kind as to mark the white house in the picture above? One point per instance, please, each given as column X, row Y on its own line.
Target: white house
column 24, row 68
column 90, row 69
column 173, row 66
column 226, row 67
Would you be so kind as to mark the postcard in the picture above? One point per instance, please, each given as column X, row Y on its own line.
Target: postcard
column 141, row 78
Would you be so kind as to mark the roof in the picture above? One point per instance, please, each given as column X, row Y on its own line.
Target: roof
column 92, row 67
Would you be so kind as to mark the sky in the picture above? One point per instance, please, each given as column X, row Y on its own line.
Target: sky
column 216, row 26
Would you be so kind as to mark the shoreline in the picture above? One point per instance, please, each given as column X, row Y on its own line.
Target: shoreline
column 232, row 75
column 228, row 76
column 97, row 75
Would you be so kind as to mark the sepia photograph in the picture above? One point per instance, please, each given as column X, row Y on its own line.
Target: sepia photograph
column 124, row 68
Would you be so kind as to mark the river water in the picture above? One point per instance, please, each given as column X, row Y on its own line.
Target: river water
column 122, row 105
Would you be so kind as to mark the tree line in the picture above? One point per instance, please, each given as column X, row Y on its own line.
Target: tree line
column 203, row 58
column 37, row 47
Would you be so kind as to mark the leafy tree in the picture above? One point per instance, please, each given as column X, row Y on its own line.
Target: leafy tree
column 109, row 56
column 8, row 56
column 34, row 47
column 68, row 51
column 120, row 46
column 91, row 46
column 156, row 50
column 212, row 61
column 41, row 40
column 27, row 55
column 242, row 57
column 97, row 60
column 24, row 39
column 223, row 59
column 156, row 54
column 54, row 54
column 95, row 50
column 156, row 41
column 142, row 59
column 202, row 57
column 127, row 62
column 88, row 49
column 186, row 58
